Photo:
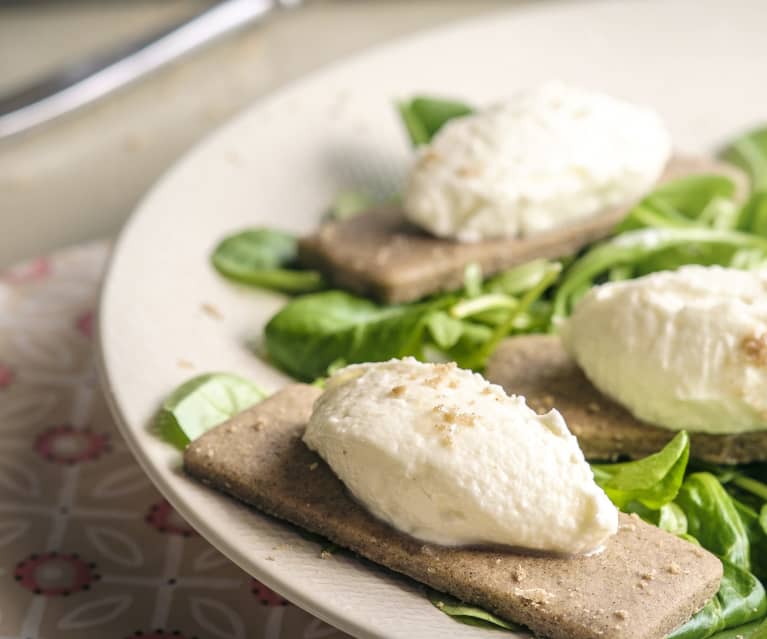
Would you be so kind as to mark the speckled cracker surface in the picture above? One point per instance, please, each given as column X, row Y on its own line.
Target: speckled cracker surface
column 378, row 253
column 538, row 367
column 644, row 584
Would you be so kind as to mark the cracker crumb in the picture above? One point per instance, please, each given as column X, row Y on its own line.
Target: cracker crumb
column 258, row 425
column 383, row 254
column 519, row 574
column 674, row 568
column 313, row 466
column 324, row 554
column 621, row 614
column 498, row 560
column 536, row 596
column 648, row 576
column 211, row 310
column 327, row 232
column 427, row 550
column 397, row 391
column 593, row 407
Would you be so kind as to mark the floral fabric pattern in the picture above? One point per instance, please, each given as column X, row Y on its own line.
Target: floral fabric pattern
column 88, row 548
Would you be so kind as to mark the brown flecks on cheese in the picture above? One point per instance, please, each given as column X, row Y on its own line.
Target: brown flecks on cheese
column 648, row 576
column 211, row 310
column 397, row 391
column 433, row 382
column 754, row 347
column 185, row 363
column 473, row 170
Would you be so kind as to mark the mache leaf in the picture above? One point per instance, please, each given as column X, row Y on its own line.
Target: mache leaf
column 424, row 116
column 740, row 600
column 749, row 152
column 713, row 519
column 311, row 332
column 465, row 613
column 202, row 403
column 264, row 258
column 652, row 481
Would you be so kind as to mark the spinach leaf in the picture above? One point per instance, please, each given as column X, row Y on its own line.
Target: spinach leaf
column 311, row 332
column 713, row 520
column 424, row 116
column 741, row 599
column 263, row 257
column 653, row 481
column 465, row 613
column 202, row 403
column 749, row 152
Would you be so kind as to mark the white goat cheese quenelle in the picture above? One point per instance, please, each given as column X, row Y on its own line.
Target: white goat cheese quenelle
column 683, row 349
column 548, row 156
column 443, row 455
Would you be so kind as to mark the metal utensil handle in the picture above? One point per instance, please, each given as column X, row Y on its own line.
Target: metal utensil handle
column 73, row 87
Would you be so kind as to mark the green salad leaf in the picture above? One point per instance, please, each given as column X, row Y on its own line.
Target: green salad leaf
column 311, row 332
column 696, row 200
column 264, row 258
column 749, row 152
column 741, row 599
column 632, row 247
column 202, row 403
column 653, row 481
column 755, row 523
column 713, row 519
column 467, row 614
column 424, row 116
column 350, row 202
column 753, row 630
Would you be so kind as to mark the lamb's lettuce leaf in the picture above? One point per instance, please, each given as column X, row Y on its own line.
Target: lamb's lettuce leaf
column 202, row 403
column 265, row 258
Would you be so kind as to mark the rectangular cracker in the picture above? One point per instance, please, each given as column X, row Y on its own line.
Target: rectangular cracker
column 644, row 584
column 538, row 367
column 379, row 254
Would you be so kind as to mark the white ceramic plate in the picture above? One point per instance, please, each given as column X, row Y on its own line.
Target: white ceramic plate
column 701, row 63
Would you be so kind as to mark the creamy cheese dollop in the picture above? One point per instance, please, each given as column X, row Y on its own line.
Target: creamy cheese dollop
column 443, row 455
column 548, row 156
column 683, row 349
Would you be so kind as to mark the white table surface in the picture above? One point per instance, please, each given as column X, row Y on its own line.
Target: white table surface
column 80, row 177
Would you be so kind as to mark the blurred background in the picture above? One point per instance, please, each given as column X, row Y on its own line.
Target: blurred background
column 79, row 177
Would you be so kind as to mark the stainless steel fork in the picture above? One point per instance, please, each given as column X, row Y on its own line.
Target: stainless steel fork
column 75, row 86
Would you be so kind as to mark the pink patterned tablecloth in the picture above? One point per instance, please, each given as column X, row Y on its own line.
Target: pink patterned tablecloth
column 88, row 548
